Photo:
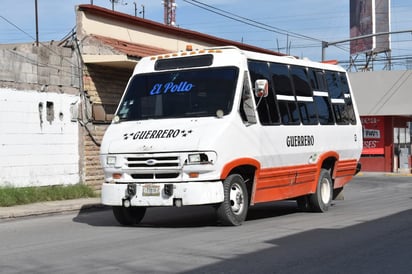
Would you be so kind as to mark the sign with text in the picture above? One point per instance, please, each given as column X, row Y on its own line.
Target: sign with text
column 373, row 135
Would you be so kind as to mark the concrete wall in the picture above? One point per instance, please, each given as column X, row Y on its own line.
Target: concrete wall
column 39, row 143
column 27, row 67
column 39, row 140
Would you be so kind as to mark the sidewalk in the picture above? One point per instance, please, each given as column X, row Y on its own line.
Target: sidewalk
column 388, row 174
column 51, row 207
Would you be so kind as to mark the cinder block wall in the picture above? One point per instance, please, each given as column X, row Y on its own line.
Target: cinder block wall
column 39, row 137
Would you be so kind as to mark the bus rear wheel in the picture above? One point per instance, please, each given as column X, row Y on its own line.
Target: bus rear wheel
column 128, row 215
column 233, row 209
column 322, row 198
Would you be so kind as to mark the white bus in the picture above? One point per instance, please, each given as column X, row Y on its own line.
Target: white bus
column 232, row 129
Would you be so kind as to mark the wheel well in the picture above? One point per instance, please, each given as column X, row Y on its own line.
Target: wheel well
column 329, row 164
column 248, row 174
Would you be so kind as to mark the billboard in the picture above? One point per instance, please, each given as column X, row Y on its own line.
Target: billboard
column 382, row 15
column 369, row 17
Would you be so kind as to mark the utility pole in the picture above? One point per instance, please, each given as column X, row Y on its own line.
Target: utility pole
column 37, row 23
column 142, row 12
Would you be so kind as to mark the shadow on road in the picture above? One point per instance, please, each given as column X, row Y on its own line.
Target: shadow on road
column 189, row 216
column 378, row 246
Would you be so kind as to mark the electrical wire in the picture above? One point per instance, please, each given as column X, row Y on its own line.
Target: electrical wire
column 248, row 21
column 17, row 27
column 43, row 45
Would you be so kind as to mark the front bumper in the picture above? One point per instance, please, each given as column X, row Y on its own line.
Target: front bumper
column 186, row 193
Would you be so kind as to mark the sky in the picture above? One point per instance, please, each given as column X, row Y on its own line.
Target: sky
column 315, row 20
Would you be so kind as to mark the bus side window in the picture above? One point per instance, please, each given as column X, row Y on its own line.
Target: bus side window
column 267, row 108
column 304, row 95
column 247, row 111
column 340, row 97
column 285, row 96
column 321, row 97
column 348, row 99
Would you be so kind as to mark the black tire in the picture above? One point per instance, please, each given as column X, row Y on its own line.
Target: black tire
column 303, row 203
column 321, row 200
column 128, row 215
column 233, row 210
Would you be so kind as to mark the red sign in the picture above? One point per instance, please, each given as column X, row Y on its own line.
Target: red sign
column 373, row 135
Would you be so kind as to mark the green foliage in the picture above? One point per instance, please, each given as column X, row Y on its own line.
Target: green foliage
column 11, row 196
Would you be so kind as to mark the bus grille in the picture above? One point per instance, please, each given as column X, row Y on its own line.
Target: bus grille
column 149, row 162
column 153, row 167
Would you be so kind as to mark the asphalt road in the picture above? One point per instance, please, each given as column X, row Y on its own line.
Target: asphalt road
column 368, row 232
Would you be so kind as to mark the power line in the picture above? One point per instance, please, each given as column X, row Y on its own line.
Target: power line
column 17, row 27
column 41, row 44
column 248, row 21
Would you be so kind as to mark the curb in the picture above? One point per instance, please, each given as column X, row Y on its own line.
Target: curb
column 51, row 207
column 388, row 174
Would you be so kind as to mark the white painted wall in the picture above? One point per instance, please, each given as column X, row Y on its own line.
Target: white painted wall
column 37, row 149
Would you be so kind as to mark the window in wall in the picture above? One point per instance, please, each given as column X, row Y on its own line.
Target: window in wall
column 267, row 108
column 289, row 111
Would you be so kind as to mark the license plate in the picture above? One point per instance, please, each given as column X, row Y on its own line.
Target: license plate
column 151, row 190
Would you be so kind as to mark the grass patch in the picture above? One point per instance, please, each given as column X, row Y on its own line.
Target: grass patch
column 11, row 196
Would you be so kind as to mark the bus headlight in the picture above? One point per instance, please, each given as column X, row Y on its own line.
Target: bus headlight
column 111, row 160
column 199, row 158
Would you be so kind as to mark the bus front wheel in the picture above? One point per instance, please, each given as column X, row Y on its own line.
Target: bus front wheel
column 233, row 209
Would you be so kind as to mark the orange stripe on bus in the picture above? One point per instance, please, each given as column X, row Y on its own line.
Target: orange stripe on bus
column 293, row 181
column 236, row 163
column 279, row 183
column 344, row 168
column 344, row 172
column 283, row 182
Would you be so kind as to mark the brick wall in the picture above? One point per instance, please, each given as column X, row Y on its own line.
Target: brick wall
column 92, row 168
column 104, row 87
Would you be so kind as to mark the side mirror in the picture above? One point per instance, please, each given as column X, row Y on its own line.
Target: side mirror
column 261, row 88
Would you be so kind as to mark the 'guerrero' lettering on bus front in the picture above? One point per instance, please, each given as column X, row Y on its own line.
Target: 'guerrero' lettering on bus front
column 231, row 129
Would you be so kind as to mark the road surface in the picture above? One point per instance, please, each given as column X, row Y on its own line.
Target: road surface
column 368, row 232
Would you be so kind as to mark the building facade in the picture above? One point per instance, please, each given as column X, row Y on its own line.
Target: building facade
column 383, row 99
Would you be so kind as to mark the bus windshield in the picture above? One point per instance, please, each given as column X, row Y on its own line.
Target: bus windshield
column 177, row 94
